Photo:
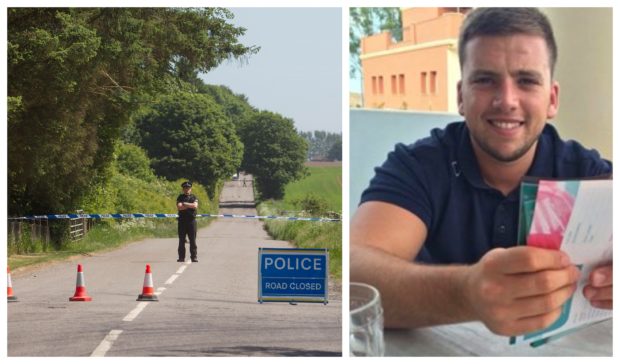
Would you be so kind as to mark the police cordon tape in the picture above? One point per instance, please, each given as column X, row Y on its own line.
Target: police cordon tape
column 137, row 216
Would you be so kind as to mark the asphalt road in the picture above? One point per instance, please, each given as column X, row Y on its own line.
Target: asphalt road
column 207, row 308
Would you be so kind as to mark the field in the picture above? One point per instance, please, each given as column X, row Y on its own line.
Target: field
column 323, row 164
column 323, row 181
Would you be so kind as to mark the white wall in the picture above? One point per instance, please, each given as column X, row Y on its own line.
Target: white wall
column 584, row 71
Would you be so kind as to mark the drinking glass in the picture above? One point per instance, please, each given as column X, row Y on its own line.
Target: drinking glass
column 366, row 321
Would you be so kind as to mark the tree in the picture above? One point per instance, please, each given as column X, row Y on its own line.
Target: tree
column 235, row 106
column 368, row 21
column 131, row 160
column 335, row 152
column 189, row 136
column 274, row 153
column 320, row 142
column 75, row 76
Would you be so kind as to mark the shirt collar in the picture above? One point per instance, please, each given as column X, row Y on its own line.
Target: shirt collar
column 542, row 166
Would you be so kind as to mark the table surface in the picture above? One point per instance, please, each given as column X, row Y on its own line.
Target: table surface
column 474, row 339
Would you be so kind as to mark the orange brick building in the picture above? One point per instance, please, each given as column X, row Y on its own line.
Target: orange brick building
column 421, row 71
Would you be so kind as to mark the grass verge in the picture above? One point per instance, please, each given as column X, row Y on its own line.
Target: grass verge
column 308, row 234
column 124, row 194
column 105, row 235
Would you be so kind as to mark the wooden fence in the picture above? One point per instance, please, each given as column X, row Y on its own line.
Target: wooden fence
column 39, row 230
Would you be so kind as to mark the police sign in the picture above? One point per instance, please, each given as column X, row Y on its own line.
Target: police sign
column 293, row 275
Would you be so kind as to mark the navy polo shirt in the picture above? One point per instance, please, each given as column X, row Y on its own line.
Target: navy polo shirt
column 438, row 179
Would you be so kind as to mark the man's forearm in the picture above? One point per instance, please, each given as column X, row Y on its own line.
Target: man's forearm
column 413, row 295
column 186, row 205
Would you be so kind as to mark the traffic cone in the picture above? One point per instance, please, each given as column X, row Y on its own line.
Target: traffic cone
column 148, row 293
column 9, row 286
column 80, row 287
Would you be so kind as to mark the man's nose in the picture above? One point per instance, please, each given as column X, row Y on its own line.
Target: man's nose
column 506, row 96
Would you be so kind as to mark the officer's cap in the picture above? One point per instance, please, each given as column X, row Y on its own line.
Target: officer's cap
column 186, row 184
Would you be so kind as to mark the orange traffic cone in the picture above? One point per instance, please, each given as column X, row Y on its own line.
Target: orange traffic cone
column 80, row 287
column 9, row 286
column 148, row 293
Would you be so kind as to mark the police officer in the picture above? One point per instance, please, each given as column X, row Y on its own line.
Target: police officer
column 187, row 204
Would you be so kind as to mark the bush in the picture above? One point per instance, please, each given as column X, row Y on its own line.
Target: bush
column 132, row 160
column 312, row 204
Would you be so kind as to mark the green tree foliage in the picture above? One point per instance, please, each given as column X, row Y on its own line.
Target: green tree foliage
column 274, row 153
column 189, row 136
column 131, row 160
column 368, row 21
column 75, row 75
column 320, row 142
column 235, row 106
column 335, row 152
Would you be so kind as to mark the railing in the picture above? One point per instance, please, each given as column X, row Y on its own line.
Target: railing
column 78, row 227
column 24, row 234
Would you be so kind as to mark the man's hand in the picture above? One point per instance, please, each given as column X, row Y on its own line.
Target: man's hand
column 599, row 290
column 518, row 290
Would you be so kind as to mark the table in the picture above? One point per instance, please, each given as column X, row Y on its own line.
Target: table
column 474, row 339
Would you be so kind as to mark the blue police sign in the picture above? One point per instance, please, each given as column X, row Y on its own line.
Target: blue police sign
column 293, row 275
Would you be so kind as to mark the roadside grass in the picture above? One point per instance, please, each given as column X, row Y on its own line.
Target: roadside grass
column 126, row 195
column 106, row 235
column 326, row 184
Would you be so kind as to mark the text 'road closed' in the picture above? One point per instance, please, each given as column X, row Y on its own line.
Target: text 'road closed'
column 295, row 286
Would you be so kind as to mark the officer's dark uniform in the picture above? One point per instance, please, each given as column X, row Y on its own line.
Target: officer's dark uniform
column 187, row 226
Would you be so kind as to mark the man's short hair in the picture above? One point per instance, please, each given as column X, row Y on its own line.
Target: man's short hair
column 507, row 21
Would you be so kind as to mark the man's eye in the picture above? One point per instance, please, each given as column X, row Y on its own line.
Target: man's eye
column 483, row 80
column 528, row 81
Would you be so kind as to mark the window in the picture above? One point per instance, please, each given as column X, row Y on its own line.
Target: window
column 401, row 84
column 433, row 85
column 393, row 84
column 374, row 85
column 381, row 84
column 423, row 82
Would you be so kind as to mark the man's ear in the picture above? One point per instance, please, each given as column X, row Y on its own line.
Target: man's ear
column 459, row 97
column 554, row 100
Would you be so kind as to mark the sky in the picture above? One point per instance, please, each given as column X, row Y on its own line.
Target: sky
column 298, row 71
column 355, row 83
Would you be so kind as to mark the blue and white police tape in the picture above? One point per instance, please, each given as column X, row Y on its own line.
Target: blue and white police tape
column 137, row 216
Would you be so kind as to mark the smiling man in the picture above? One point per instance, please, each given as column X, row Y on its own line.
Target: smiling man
column 436, row 229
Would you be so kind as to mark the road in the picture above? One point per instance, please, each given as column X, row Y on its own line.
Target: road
column 207, row 308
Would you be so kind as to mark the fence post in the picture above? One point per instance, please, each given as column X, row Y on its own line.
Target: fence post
column 15, row 233
column 34, row 231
